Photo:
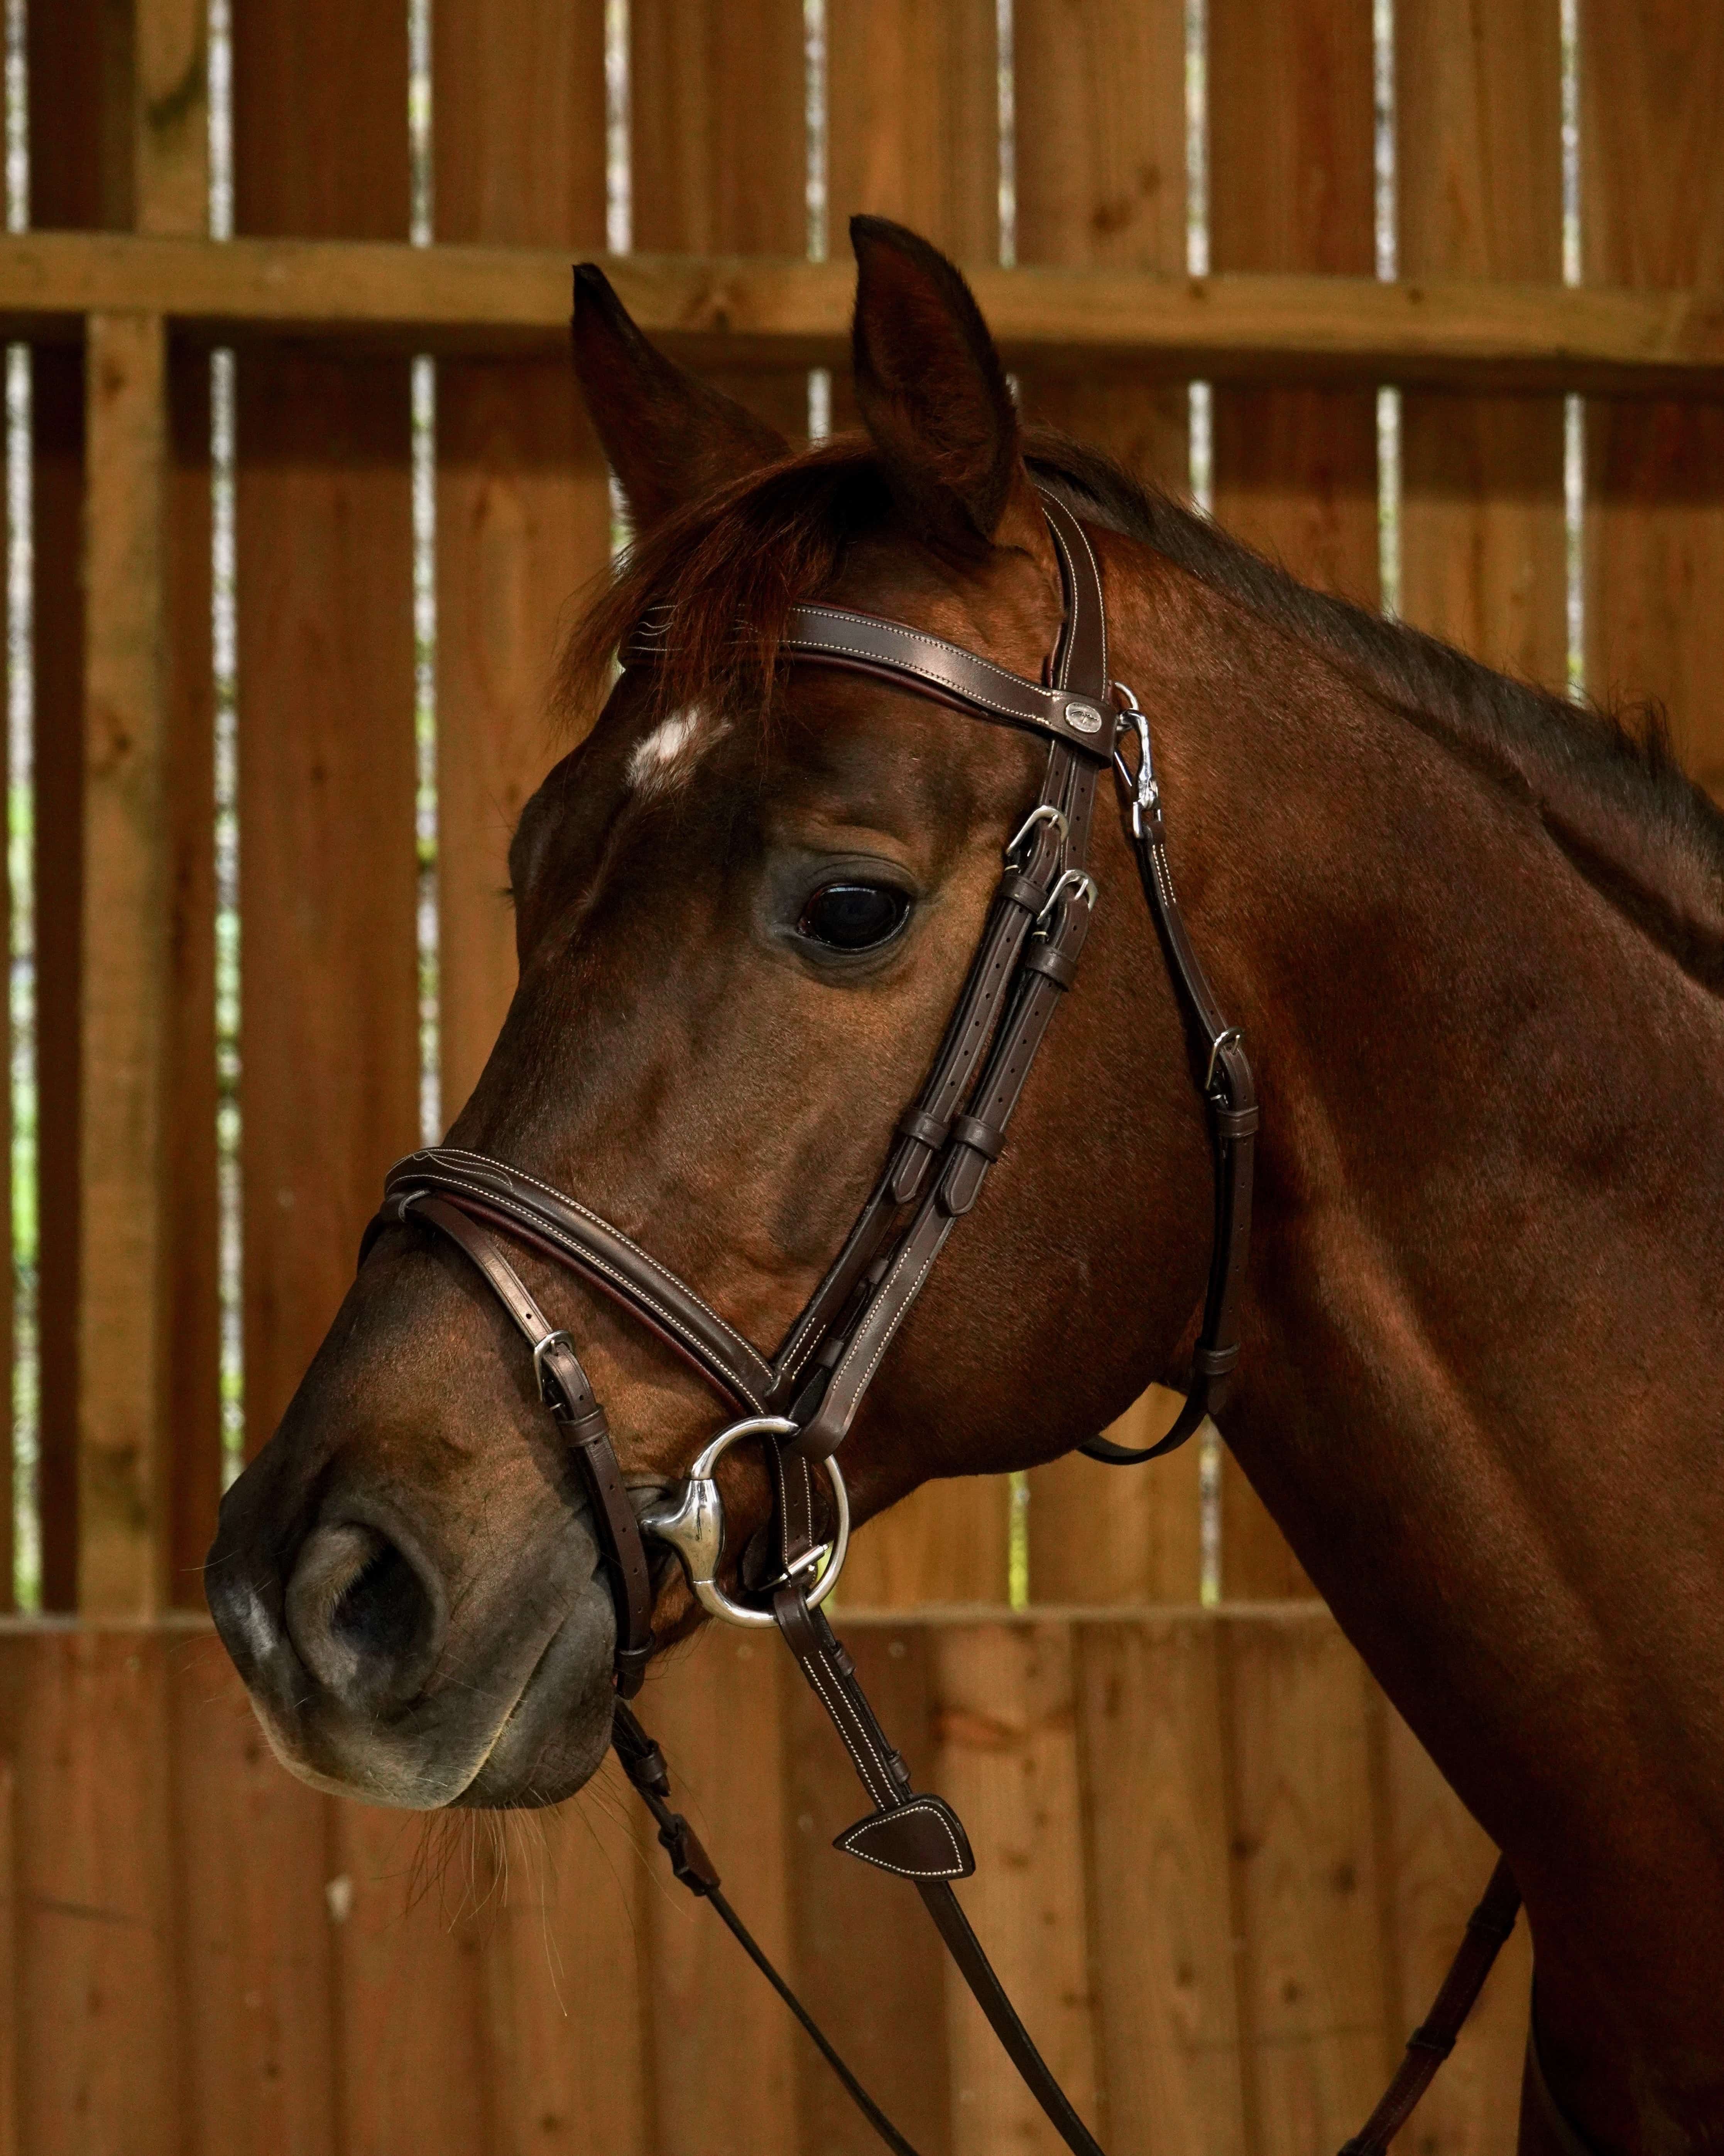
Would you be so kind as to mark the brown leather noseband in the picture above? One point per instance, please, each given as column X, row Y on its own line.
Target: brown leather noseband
column 803, row 1399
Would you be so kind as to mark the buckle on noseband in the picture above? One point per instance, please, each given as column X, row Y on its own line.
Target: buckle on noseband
column 550, row 1392
column 693, row 1524
column 1078, row 880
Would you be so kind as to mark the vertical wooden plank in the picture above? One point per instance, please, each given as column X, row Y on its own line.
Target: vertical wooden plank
column 252, row 1848
column 561, row 1951
column 11, row 2004
column 1439, row 1859
column 947, row 1542
column 326, row 763
column 414, row 2073
column 1306, row 1892
column 523, row 504
column 170, row 114
column 1099, row 94
column 1291, row 188
column 1153, row 1765
column 1479, row 158
column 1290, row 135
column 83, row 1718
column 913, row 120
column 78, row 55
column 1257, row 1560
column 58, row 659
column 1119, row 1534
column 122, row 1467
column 870, row 1966
column 191, row 1213
column 718, row 149
column 1008, row 1766
column 1652, row 85
column 723, row 2070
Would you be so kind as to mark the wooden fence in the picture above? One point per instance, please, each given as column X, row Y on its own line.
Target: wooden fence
column 1224, row 1935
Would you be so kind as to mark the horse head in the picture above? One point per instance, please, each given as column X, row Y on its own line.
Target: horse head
column 745, row 905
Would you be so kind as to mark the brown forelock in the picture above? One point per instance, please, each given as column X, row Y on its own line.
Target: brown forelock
column 716, row 581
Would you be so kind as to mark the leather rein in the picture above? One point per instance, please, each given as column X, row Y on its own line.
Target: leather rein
column 801, row 1402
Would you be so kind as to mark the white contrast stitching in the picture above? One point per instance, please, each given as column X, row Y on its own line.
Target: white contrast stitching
column 659, row 1271
column 924, row 1810
column 878, row 1793
column 514, row 1206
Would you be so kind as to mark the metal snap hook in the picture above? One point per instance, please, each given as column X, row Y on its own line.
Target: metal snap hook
column 693, row 1524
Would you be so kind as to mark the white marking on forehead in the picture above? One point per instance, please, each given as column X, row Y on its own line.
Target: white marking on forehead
column 658, row 759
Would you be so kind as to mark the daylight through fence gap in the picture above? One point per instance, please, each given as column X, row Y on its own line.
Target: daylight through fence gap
column 1200, row 432
column 1574, row 408
column 20, row 864
column 424, row 521
column 224, row 644
column 1388, row 398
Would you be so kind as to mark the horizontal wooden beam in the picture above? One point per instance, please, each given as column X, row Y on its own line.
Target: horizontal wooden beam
column 797, row 313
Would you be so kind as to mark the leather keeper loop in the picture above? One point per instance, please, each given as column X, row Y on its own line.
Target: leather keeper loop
column 632, row 1666
column 590, row 1428
column 930, row 1131
column 1018, row 889
column 1214, row 1361
column 1235, row 1122
column 980, row 1138
column 1048, row 958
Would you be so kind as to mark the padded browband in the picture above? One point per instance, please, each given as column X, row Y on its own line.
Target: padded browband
column 913, row 658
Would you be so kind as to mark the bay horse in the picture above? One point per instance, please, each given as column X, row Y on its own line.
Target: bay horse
column 1475, row 936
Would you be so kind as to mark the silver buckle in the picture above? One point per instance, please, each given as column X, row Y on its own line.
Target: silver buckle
column 1076, row 880
column 1045, row 812
column 550, row 1392
column 1141, row 782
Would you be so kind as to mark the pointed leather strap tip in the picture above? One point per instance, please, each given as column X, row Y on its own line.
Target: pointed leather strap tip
column 923, row 1839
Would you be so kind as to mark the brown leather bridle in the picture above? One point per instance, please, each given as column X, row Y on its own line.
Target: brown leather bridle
column 802, row 1400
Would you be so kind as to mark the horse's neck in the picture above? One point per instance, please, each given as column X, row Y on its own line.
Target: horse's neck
column 1485, row 1359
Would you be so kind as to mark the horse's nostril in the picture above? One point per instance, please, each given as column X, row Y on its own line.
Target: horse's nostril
column 366, row 1617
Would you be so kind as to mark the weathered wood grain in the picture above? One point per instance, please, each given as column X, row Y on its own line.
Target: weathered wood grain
column 1652, row 78
column 723, row 2070
column 1152, row 1763
column 1479, row 191
column 1008, row 1764
column 1100, row 184
column 253, row 1852
column 523, row 503
column 718, row 151
column 1116, row 1534
column 122, row 1264
column 328, row 876
column 1305, row 1843
column 948, row 1542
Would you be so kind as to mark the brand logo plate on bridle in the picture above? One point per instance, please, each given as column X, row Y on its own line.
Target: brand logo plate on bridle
column 1082, row 718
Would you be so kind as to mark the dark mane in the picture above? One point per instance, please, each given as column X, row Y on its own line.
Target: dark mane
column 710, row 589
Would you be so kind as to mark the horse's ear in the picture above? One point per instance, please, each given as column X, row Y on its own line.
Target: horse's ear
column 669, row 437
column 931, row 390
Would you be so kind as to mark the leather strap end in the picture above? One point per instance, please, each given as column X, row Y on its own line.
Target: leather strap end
column 631, row 1667
column 930, row 1131
column 923, row 1839
column 688, row 1860
column 961, row 1184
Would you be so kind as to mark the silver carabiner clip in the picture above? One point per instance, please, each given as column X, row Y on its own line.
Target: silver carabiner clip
column 1140, row 784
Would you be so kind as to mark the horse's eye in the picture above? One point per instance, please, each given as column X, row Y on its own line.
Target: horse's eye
column 854, row 916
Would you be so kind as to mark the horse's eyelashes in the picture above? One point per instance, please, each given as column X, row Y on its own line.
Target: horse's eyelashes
column 854, row 916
